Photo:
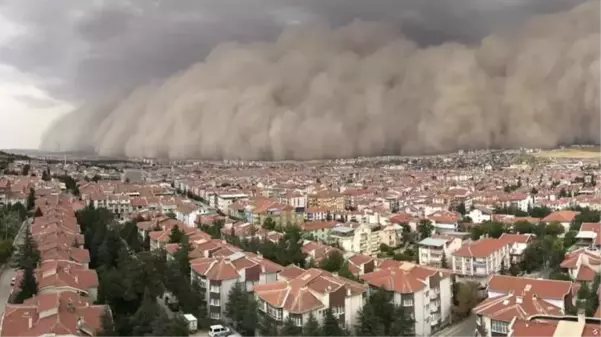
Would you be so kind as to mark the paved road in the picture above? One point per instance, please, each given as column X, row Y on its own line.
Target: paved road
column 463, row 328
column 5, row 287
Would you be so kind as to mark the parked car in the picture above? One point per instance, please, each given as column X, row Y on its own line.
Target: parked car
column 12, row 281
column 218, row 330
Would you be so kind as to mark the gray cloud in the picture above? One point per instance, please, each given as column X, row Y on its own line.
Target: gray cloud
column 86, row 51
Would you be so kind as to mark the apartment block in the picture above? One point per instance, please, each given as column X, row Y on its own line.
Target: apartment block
column 432, row 250
column 311, row 292
column 218, row 275
column 478, row 261
column 423, row 291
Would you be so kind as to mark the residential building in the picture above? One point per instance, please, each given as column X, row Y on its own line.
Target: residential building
column 589, row 236
column 480, row 214
column 326, row 198
column 425, row 292
column 311, row 292
column 518, row 244
column 319, row 230
column 565, row 218
column 363, row 239
column 555, row 326
column 478, row 261
column 432, row 250
column 582, row 264
column 218, row 275
column 55, row 314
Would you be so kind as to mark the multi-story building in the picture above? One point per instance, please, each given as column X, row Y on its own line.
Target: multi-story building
column 518, row 244
column 328, row 199
column 433, row 249
column 362, row 239
column 425, row 292
column 582, row 264
column 555, row 326
column 589, row 236
column 479, row 260
column 218, row 275
column 311, row 292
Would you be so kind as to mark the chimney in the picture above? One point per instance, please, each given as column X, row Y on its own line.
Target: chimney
column 70, row 306
column 348, row 292
column 30, row 322
column 260, row 255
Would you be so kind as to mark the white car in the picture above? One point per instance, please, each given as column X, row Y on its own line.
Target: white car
column 12, row 281
column 218, row 330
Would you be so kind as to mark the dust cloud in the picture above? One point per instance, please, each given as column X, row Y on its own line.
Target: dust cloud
column 360, row 90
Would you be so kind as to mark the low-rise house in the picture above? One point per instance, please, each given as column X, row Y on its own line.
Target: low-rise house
column 518, row 243
column 65, row 253
column 56, row 314
column 478, row 261
column 445, row 221
column 582, row 264
column 318, row 230
column 510, row 297
column 589, row 236
column 218, row 275
column 187, row 213
column 565, row 218
column 433, row 249
column 58, row 276
column 311, row 292
column 360, row 264
column 480, row 214
column 425, row 292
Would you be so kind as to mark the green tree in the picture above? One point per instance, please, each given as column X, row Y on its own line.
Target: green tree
column 25, row 170
column 443, row 260
column 311, row 327
column 461, row 208
column 523, row 227
column 402, row 324
column 29, row 255
column 425, row 228
column 28, row 286
column 251, row 318
column 31, row 199
column 569, row 239
column 269, row 224
column 368, row 322
column 503, row 270
column 176, row 235
column 236, row 305
column 331, row 326
column 466, row 299
column 182, row 257
column 146, row 314
column 289, row 328
column 333, row 262
column 171, row 215
column 555, row 229
column 514, row 269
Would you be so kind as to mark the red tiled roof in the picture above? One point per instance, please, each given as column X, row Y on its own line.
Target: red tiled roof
column 481, row 248
column 561, row 216
column 522, row 305
column 547, row 289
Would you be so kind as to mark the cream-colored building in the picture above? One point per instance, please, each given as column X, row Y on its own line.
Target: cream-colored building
column 362, row 239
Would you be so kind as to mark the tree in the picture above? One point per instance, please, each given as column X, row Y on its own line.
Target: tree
column 514, row 269
column 29, row 255
column 107, row 325
column 269, row 224
column 425, row 228
column 403, row 324
column 182, row 257
column 31, row 199
column 443, row 260
column 503, row 270
column 146, row 314
column 333, row 262
column 311, row 327
column 28, row 286
column 368, row 322
column 570, row 239
column 554, row 228
column 236, row 305
column 171, row 215
column 466, row 298
column 176, row 235
column 25, row 170
column 251, row 319
column 330, row 325
column 523, row 227
column 461, row 208
column 290, row 328
column 46, row 175
column 267, row 327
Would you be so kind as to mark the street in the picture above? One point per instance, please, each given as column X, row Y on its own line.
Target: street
column 5, row 287
column 463, row 328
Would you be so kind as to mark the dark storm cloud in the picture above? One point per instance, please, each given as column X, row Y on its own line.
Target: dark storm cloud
column 89, row 48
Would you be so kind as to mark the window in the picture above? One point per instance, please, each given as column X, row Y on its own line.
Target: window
column 498, row 326
column 274, row 312
column 215, row 302
column 215, row 289
column 215, row 315
column 408, row 302
column 203, row 282
column 297, row 319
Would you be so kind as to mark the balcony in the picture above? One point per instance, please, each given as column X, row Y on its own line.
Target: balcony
column 433, row 294
column 215, row 290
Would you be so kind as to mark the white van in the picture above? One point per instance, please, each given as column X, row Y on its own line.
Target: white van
column 218, row 331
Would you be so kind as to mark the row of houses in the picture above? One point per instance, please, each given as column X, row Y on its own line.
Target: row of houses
column 67, row 288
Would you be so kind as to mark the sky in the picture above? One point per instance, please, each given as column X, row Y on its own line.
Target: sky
column 55, row 55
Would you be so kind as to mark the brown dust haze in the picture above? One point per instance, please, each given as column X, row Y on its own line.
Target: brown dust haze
column 359, row 90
